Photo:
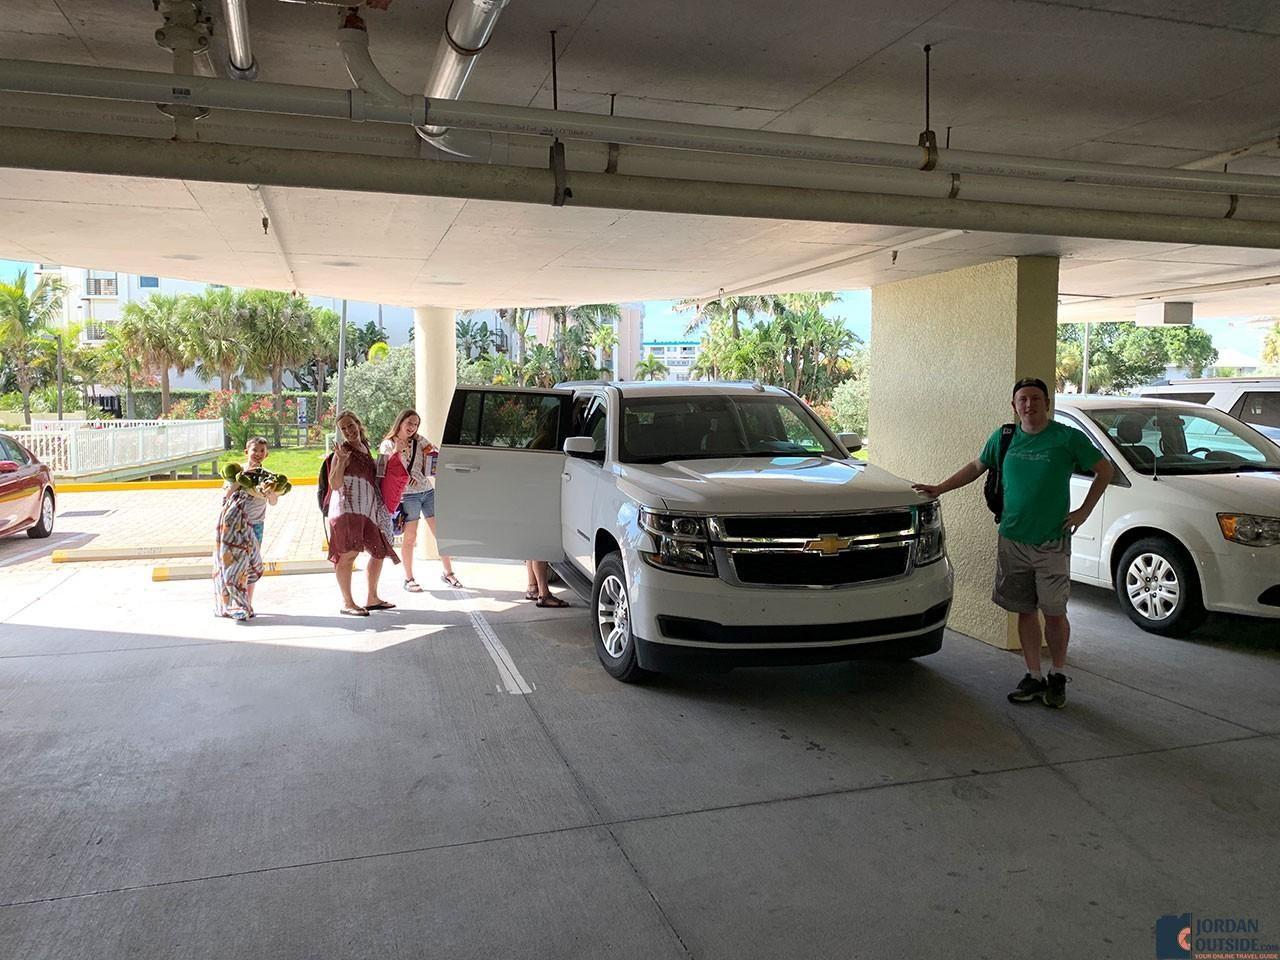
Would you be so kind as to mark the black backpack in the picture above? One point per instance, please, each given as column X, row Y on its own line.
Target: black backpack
column 322, row 486
column 993, row 488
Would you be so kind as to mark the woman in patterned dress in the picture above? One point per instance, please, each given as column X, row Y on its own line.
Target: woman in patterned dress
column 358, row 518
column 237, row 551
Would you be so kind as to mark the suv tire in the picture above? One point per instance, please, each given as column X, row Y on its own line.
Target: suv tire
column 1157, row 587
column 611, row 616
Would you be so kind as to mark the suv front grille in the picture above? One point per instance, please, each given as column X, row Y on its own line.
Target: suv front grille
column 794, row 568
column 808, row 527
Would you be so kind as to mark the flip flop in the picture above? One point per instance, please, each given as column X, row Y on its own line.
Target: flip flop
column 354, row 612
column 382, row 605
column 412, row 586
column 550, row 600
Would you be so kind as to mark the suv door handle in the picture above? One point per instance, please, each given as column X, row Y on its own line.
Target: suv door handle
column 460, row 467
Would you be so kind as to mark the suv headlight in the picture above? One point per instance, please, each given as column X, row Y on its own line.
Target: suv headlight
column 930, row 535
column 1251, row 530
column 682, row 542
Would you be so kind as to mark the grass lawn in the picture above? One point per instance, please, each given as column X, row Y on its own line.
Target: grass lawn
column 293, row 462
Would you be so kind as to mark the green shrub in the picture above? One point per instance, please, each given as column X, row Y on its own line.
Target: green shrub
column 849, row 402
column 377, row 392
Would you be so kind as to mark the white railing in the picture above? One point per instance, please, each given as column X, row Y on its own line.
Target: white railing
column 80, row 449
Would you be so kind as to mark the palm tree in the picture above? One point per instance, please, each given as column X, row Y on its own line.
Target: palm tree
column 466, row 329
column 156, row 325
column 281, row 334
column 325, row 331
column 121, row 363
column 217, row 326
column 604, row 340
column 26, row 318
column 651, row 368
column 521, row 318
column 727, row 307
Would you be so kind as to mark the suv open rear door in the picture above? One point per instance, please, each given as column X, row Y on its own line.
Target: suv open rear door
column 498, row 480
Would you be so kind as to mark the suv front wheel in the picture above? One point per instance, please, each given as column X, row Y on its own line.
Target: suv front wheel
column 611, row 610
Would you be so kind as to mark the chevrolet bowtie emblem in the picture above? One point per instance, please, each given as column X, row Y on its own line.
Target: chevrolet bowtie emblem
column 828, row 545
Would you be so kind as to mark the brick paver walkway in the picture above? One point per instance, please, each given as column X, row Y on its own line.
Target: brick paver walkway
column 153, row 518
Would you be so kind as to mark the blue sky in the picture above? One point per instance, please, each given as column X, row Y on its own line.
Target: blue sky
column 661, row 322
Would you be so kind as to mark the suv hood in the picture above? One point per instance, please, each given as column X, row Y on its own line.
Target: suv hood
column 1244, row 492
column 765, row 485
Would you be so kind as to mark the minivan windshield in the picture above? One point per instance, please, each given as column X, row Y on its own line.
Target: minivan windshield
column 1171, row 440
column 658, row 429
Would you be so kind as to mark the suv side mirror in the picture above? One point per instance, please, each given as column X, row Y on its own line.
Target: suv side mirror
column 580, row 447
column 9, row 466
column 852, row 441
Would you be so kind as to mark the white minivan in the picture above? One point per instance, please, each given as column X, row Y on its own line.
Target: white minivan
column 1255, row 400
column 1191, row 521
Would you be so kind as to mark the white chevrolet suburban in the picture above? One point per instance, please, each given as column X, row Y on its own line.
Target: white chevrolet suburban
column 712, row 525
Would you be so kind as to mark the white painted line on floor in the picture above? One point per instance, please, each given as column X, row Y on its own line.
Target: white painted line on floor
column 507, row 669
column 9, row 560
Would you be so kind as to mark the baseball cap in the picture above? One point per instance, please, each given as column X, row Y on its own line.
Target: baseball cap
column 1031, row 382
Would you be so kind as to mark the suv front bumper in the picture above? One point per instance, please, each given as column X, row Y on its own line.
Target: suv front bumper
column 704, row 619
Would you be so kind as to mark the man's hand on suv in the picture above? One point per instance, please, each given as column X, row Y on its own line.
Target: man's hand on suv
column 932, row 491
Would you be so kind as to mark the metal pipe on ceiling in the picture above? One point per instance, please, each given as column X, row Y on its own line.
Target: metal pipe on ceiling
column 149, row 87
column 240, row 62
column 143, row 157
column 467, row 28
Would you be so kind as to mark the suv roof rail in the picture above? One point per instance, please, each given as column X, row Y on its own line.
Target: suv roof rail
column 584, row 383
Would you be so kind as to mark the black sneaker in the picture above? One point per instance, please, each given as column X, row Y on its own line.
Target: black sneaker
column 1055, row 693
column 1028, row 689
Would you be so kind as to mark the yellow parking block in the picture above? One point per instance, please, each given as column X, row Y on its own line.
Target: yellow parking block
column 70, row 486
column 273, row 568
column 83, row 554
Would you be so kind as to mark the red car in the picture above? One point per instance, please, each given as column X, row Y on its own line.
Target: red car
column 26, row 491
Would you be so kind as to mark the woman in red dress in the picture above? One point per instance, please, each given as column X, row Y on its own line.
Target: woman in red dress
column 358, row 518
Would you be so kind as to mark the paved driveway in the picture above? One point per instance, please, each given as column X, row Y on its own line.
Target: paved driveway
column 459, row 778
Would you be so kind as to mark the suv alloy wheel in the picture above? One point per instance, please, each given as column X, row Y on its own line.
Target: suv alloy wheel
column 611, row 611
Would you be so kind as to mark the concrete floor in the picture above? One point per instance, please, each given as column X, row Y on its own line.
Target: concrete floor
column 310, row 786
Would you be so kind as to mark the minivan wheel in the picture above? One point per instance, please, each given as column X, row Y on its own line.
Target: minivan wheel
column 44, row 527
column 611, row 611
column 1158, row 587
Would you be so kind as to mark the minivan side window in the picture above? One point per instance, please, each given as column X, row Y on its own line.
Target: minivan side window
column 1259, row 407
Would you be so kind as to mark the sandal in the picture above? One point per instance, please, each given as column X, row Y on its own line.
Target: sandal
column 531, row 593
column 412, row 586
column 452, row 580
column 354, row 612
column 380, row 605
column 551, row 600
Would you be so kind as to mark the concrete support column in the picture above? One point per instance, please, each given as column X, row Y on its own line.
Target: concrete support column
column 946, row 349
column 435, row 376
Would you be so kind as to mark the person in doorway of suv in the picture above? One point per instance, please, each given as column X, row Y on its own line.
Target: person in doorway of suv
column 1033, row 555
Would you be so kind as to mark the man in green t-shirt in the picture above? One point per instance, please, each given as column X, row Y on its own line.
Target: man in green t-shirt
column 1033, row 556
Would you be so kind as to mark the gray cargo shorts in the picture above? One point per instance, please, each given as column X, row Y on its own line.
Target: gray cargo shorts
column 1033, row 577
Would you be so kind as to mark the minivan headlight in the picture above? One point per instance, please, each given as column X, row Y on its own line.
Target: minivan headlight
column 931, row 536
column 1251, row 530
column 682, row 543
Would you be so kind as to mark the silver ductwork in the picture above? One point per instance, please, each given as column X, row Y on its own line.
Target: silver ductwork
column 467, row 29
column 240, row 62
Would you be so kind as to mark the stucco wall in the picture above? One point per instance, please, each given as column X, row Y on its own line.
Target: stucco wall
column 945, row 350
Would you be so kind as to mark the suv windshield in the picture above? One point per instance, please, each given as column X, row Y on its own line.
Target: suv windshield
column 1172, row 440
column 657, row 429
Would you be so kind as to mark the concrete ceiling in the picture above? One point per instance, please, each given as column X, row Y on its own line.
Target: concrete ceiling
column 1162, row 82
